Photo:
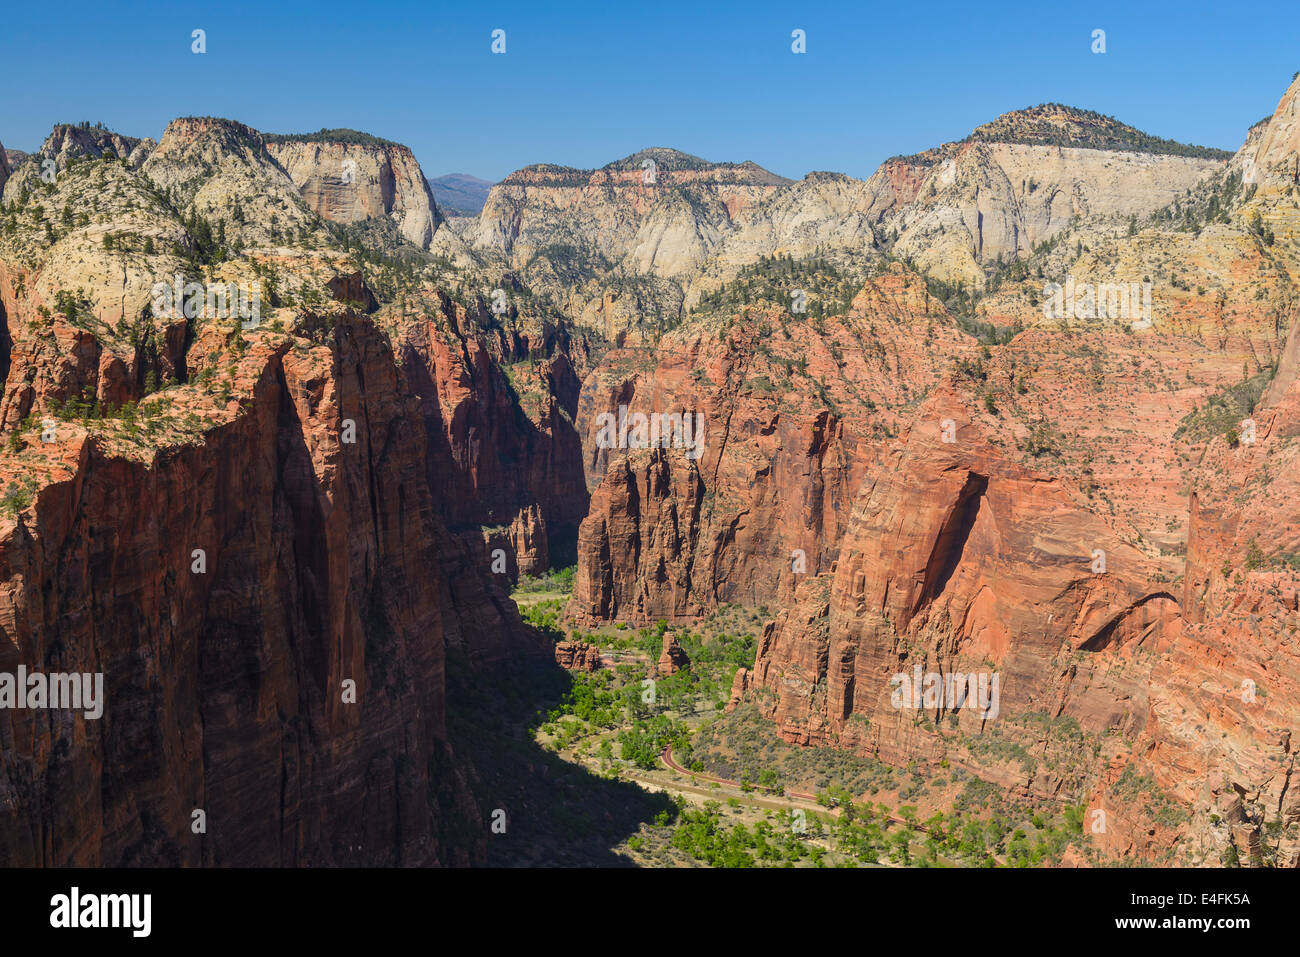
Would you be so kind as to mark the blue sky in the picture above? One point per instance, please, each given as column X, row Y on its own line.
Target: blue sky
column 586, row 83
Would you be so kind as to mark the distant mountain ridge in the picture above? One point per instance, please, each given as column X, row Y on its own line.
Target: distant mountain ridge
column 666, row 160
column 1055, row 124
column 460, row 193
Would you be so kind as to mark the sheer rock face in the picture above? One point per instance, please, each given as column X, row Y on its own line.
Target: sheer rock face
column 227, row 688
column 495, row 467
column 980, row 201
column 1219, row 737
column 776, row 465
column 349, row 182
column 1274, row 163
column 958, row 561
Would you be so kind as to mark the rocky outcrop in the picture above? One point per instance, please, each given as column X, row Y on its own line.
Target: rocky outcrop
column 577, row 656
column 739, row 687
column 523, row 544
column 66, row 144
column 672, row 658
column 222, row 170
column 346, row 182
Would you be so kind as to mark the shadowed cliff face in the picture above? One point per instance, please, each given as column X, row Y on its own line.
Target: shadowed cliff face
column 507, row 467
column 325, row 563
column 243, row 528
column 6, row 346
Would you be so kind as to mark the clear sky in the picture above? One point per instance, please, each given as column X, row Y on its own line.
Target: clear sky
column 584, row 83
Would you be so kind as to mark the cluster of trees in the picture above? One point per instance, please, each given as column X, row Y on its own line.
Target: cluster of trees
column 645, row 740
column 18, row 495
column 545, row 616
column 323, row 135
column 706, row 837
column 76, row 306
column 592, row 699
column 1037, row 126
column 208, row 243
column 1257, row 227
column 867, row 832
column 828, row 290
column 1209, row 204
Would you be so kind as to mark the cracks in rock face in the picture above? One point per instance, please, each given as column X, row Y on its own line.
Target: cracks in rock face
column 1105, row 636
column 951, row 542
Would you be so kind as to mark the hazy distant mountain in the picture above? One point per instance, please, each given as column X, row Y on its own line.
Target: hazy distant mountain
column 460, row 193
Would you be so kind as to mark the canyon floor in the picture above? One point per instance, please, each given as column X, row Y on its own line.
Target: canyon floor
column 742, row 797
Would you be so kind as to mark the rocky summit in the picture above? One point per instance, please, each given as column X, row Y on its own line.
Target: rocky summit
column 954, row 509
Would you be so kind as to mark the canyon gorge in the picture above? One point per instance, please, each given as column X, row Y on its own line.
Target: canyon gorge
column 296, row 543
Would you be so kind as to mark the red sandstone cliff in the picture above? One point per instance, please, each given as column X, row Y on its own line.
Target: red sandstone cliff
column 792, row 414
column 325, row 562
